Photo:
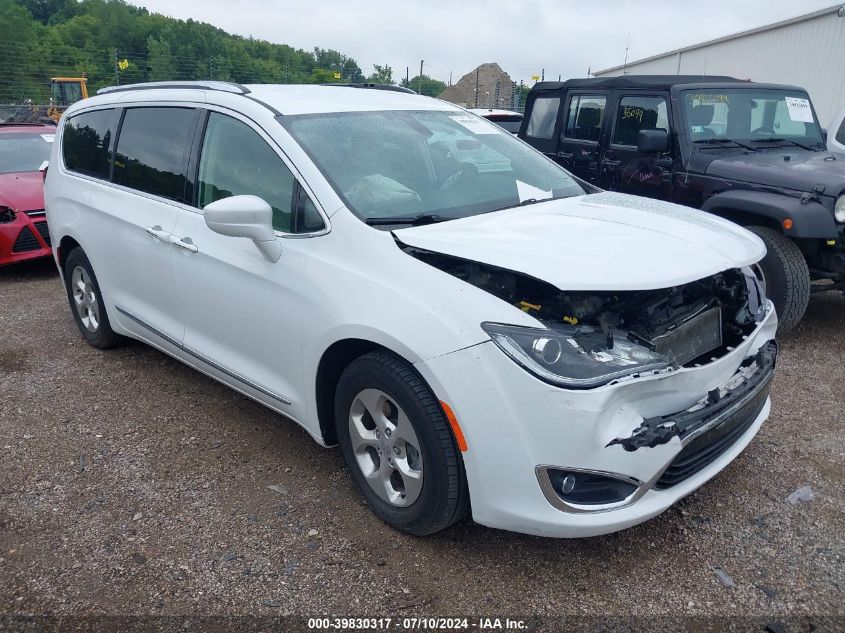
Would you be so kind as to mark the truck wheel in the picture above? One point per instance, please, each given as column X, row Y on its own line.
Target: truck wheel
column 787, row 276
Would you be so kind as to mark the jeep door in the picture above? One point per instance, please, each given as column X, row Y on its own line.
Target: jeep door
column 625, row 167
column 582, row 133
column 244, row 314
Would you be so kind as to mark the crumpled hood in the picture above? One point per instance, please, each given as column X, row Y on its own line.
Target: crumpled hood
column 802, row 172
column 604, row 241
column 22, row 191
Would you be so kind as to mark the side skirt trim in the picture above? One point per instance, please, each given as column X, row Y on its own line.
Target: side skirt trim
column 202, row 358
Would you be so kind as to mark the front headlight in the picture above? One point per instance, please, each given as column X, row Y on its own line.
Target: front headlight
column 839, row 209
column 577, row 358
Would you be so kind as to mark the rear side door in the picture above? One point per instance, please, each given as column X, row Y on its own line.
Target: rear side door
column 244, row 314
column 582, row 133
column 624, row 167
column 127, row 224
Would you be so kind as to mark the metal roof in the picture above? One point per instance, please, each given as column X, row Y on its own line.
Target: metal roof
column 657, row 82
column 768, row 27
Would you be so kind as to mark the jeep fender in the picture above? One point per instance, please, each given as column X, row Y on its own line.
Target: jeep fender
column 810, row 218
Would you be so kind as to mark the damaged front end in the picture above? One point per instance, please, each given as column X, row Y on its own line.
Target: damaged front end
column 590, row 339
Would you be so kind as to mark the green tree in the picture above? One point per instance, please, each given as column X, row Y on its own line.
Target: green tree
column 160, row 63
column 426, row 86
column 381, row 75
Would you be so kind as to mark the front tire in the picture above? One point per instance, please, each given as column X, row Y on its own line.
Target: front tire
column 398, row 446
column 86, row 301
column 787, row 277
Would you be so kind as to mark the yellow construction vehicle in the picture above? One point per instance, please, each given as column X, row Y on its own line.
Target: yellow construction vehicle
column 65, row 91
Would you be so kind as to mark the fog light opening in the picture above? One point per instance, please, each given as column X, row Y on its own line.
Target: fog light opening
column 588, row 488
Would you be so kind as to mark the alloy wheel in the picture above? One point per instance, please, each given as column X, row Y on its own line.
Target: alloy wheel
column 386, row 447
column 85, row 299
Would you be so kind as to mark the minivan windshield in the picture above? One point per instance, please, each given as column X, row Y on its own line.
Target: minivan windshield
column 747, row 115
column 432, row 165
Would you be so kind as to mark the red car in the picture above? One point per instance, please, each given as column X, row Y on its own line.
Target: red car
column 23, row 225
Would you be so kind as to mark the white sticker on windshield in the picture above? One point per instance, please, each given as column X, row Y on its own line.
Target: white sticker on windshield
column 476, row 124
column 48, row 137
column 799, row 109
column 530, row 192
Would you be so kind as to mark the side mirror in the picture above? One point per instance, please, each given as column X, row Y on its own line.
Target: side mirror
column 651, row 141
column 245, row 216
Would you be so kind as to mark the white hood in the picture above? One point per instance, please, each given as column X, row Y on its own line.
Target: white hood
column 604, row 241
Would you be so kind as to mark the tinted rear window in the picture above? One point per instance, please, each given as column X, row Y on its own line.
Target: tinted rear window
column 152, row 150
column 543, row 117
column 88, row 141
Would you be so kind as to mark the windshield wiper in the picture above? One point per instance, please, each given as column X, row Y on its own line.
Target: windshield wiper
column 722, row 141
column 412, row 220
column 784, row 140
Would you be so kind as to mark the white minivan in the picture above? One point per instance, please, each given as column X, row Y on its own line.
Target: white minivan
column 510, row 342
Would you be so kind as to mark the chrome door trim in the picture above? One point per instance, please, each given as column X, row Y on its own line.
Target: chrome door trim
column 204, row 359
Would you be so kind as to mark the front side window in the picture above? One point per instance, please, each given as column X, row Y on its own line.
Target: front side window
column 448, row 164
column 840, row 135
column 152, row 150
column 750, row 114
column 236, row 161
column 584, row 117
column 26, row 151
column 543, row 117
column 638, row 113
column 87, row 142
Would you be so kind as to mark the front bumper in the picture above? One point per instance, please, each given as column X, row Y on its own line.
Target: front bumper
column 25, row 237
column 518, row 427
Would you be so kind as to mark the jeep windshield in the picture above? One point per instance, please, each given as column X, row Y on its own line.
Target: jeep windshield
column 421, row 166
column 751, row 118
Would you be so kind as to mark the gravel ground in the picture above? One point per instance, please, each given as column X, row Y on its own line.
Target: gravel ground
column 133, row 485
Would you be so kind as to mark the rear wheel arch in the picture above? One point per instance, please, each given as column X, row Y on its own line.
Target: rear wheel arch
column 66, row 245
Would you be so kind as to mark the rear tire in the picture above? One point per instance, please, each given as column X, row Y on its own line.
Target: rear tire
column 435, row 495
column 787, row 277
column 86, row 303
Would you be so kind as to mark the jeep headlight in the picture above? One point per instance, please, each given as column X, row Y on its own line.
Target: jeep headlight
column 839, row 209
column 576, row 358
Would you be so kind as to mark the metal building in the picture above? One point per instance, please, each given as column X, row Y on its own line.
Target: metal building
column 806, row 51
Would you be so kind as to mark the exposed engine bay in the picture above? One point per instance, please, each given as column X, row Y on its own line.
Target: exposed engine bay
column 688, row 325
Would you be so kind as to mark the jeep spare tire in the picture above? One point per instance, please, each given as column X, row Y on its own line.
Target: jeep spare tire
column 787, row 276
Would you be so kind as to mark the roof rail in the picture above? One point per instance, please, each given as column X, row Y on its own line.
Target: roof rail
column 222, row 86
column 373, row 86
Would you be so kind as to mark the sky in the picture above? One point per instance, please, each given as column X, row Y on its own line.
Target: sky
column 564, row 37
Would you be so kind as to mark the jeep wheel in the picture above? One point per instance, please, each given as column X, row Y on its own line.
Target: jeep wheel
column 787, row 277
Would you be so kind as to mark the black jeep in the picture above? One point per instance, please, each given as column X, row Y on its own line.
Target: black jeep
column 749, row 152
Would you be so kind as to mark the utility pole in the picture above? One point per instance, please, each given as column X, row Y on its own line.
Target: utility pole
column 476, row 87
column 116, row 69
column 450, row 77
column 543, row 75
column 420, row 81
column 408, row 76
column 625, row 64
